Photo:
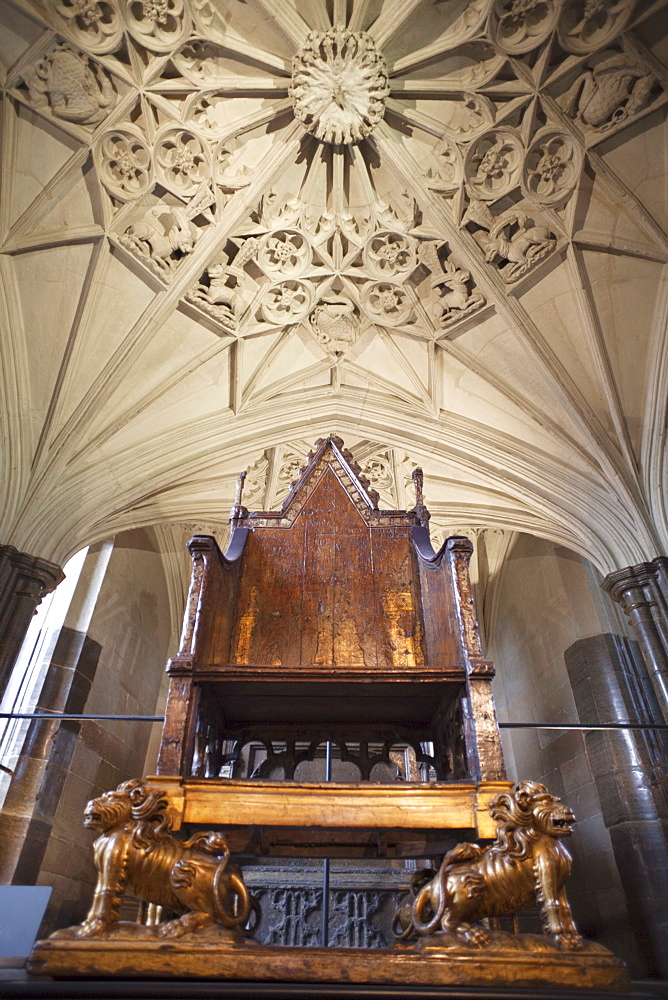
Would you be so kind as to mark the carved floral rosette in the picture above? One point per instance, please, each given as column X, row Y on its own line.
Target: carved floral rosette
column 493, row 164
column 182, row 160
column 387, row 303
column 96, row 25
column 520, row 27
column 586, row 25
column 390, row 255
column 285, row 252
column 339, row 85
column 124, row 162
column 157, row 24
column 287, row 302
column 551, row 167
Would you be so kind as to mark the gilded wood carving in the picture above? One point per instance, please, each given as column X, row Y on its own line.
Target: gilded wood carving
column 136, row 853
column 527, row 865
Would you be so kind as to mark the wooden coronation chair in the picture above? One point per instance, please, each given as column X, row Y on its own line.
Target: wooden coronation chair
column 330, row 693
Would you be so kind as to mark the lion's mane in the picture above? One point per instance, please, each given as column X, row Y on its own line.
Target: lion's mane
column 514, row 814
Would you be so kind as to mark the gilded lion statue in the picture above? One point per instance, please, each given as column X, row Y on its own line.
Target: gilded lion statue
column 137, row 853
column 527, row 865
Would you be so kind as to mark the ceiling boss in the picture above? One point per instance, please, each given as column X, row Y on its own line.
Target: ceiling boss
column 339, row 85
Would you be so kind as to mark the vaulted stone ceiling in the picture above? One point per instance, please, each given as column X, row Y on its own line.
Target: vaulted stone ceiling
column 435, row 227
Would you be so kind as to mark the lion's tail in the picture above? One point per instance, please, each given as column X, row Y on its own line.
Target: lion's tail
column 423, row 899
column 464, row 852
column 228, row 887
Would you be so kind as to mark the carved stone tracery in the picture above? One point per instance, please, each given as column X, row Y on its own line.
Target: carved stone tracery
column 551, row 167
column 330, row 265
column 96, row 25
column 182, row 161
column 125, row 164
column 287, row 266
column 518, row 26
column 158, row 24
column 493, row 163
column 585, row 25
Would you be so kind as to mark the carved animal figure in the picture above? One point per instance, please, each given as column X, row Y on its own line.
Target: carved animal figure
column 526, row 865
column 74, row 91
column 162, row 232
column 220, row 292
column 334, row 324
column 522, row 250
column 219, row 298
column 136, row 852
column 614, row 90
column 458, row 300
column 166, row 230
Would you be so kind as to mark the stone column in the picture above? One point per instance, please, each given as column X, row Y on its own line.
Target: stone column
column 24, row 581
column 39, row 776
column 642, row 592
column 629, row 771
column 40, row 772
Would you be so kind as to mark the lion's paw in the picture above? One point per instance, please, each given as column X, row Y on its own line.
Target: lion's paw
column 187, row 924
column 473, row 934
column 92, row 928
column 172, row 929
column 569, row 941
column 65, row 933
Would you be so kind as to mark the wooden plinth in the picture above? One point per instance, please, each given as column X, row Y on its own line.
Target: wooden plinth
column 528, row 961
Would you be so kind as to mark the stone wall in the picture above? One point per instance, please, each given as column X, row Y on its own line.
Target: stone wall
column 132, row 627
column 549, row 599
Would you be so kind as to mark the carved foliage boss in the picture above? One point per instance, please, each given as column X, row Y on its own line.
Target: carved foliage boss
column 339, row 85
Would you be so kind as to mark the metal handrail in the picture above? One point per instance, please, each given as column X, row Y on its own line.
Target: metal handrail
column 83, row 717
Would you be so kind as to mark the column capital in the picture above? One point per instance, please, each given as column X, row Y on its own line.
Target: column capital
column 620, row 581
column 24, row 580
column 37, row 572
column 642, row 592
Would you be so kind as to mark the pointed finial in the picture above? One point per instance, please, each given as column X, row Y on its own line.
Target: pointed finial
column 423, row 514
column 417, row 476
column 239, row 490
column 237, row 509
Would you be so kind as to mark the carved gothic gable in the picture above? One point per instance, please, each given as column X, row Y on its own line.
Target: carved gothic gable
column 329, row 460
